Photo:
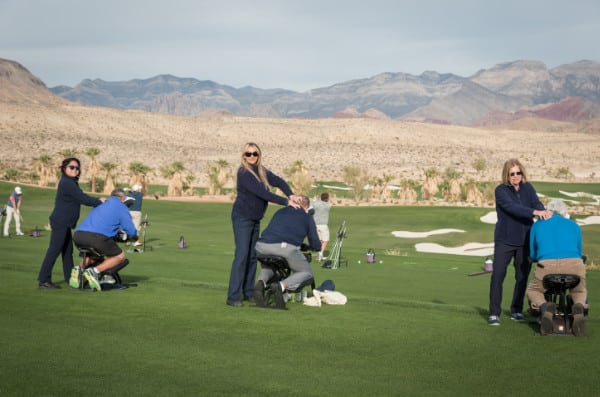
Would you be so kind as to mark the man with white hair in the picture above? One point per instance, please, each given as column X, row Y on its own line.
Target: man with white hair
column 13, row 209
column 556, row 244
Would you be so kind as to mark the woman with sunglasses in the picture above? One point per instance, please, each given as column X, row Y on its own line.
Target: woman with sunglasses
column 254, row 183
column 64, row 217
column 517, row 203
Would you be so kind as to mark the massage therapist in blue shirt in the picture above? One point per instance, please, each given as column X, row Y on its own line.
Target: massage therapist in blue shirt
column 517, row 203
column 254, row 183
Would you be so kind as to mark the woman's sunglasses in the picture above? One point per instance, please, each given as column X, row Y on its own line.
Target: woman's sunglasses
column 516, row 173
column 251, row 154
column 72, row 167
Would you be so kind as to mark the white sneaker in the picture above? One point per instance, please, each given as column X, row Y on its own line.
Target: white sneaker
column 108, row 279
column 20, row 234
column 320, row 257
column 137, row 244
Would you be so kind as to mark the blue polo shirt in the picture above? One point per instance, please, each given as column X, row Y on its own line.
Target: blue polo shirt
column 108, row 218
column 555, row 238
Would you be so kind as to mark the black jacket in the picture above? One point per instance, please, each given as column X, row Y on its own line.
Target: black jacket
column 515, row 213
column 69, row 198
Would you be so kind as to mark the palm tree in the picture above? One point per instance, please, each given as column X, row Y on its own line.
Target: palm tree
column 431, row 183
column 218, row 173
column 407, row 191
column 66, row 153
column 452, row 186
column 109, row 185
column 357, row 178
column 174, row 171
column 43, row 166
column 138, row 172
column 380, row 190
column 92, row 152
column 300, row 181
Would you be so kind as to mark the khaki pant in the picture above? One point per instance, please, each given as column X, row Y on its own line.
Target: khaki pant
column 535, row 290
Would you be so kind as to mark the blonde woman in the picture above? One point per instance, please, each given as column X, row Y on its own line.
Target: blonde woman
column 254, row 183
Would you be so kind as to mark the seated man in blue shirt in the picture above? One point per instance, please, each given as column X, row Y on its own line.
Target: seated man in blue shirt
column 555, row 244
column 98, row 230
column 283, row 237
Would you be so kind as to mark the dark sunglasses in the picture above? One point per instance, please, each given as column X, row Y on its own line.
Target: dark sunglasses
column 251, row 154
column 73, row 167
column 516, row 173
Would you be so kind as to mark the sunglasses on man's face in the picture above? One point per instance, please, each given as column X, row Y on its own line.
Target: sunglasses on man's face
column 516, row 173
column 251, row 154
column 73, row 167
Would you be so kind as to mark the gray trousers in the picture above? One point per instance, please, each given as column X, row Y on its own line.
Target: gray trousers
column 301, row 270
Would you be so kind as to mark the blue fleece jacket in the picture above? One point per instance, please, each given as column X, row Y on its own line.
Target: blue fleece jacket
column 253, row 197
column 291, row 225
column 515, row 213
column 106, row 219
column 555, row 238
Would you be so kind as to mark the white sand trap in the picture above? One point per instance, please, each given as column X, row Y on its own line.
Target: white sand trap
column 469, row 249
column 490, row 217
column 406, row 234
column 590, row 220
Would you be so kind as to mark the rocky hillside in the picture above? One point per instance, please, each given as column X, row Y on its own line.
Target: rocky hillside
column 34, row 122
column 506, row 90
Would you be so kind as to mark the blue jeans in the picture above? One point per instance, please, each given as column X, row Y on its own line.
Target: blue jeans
column 243, row 268
column 503, row 253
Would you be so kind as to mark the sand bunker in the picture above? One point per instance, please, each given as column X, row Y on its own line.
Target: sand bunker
column 469, row 249
column 590, row 220
column 406, row 234
column 490, row 217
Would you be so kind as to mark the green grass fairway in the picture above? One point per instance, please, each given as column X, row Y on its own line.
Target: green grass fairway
column 414, row 325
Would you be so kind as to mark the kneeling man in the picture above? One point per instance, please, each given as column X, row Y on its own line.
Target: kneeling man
column 283, row 237
column 97, row 231
column 555, row 244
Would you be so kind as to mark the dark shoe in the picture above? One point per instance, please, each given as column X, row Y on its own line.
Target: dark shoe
column 234, row 303
column 259, row 294
column 248, row 298
column 578, row 320
column 547, row 323
column 517, row 317
column 48, row 285
column 279, row 301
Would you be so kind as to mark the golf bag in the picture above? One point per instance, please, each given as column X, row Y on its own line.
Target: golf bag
column 334, row 260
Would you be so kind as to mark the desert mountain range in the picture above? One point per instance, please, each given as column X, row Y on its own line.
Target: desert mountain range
column 35, row 120
column 505, row 92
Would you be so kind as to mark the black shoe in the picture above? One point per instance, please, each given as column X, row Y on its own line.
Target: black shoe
column 279, row 301
column 259, row 294
column 234, row 303
column 578, row 320
column 547, row 323
column 48, row 285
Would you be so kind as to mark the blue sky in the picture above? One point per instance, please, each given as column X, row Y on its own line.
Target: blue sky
column 297, row 45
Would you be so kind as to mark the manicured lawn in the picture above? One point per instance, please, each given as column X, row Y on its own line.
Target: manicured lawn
column 413, row 325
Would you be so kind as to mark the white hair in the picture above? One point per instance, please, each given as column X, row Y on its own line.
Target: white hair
column 558, row 206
